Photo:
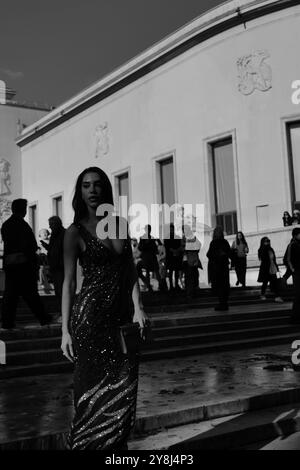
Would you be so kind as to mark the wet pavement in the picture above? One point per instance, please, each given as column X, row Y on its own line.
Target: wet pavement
column 171, row 392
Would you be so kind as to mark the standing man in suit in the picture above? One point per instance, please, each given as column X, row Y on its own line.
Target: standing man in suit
column 20, row 266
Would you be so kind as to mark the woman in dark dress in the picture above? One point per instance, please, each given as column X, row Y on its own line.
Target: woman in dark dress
column 239, row 251
column 268, row 269
column 105, row 378
column 219, row 254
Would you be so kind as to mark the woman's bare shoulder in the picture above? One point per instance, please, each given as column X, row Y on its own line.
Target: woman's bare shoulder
column 72, row 233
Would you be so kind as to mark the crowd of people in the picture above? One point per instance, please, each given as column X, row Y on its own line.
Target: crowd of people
column 28, row 263
column 174, row 262
column 109, row 304
column 291, row 219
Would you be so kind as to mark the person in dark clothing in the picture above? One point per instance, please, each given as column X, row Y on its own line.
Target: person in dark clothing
column 240, row 250
column 295, row 267
column 287, row 262
column 191, row 261
column 296, row 217
column 56, row 255
column 219, row 254
column 174, row 254
column 148, row 249
column 287, row 219
column 268, row 269
column 20, row 267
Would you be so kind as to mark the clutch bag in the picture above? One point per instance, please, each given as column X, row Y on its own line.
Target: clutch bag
column 130, row 338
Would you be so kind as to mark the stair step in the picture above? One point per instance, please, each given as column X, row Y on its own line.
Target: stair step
column 281, row 320
column 180, row 342
column 207, row 338
column 7, row 372
column 162, row 333
column 191, row 350
column 167, row 353
column 237, row 431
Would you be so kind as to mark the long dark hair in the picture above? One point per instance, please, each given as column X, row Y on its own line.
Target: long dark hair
column 79, row 206
column 262, row 249
column 218, row 233
column 243, row 240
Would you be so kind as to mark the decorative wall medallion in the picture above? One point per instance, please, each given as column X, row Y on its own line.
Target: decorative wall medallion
column 254, row 72
column 102, row 140
column 5, row 180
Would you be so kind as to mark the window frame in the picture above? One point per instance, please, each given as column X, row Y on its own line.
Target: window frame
column 53, row 198
column 291, row 172
column 116, row 187
column 208, row 144
column 29, row 208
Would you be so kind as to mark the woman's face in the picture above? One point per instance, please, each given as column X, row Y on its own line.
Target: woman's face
column 267, row 242
column 91, row 189
column 239, row 236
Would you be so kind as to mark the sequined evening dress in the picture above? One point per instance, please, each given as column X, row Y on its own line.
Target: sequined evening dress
column 105, row 379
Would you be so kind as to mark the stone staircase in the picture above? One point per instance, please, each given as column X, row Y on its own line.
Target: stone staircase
column 179, row 329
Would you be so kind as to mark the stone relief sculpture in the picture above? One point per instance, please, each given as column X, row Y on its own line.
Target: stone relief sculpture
column 5, row 180
column 102, row 140
column 254, row 72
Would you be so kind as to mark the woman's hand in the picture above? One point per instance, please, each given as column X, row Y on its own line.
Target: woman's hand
column 142, row 319
column 67, row 346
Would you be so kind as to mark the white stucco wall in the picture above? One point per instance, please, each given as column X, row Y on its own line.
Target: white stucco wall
column 11, row 118
column 176, row 110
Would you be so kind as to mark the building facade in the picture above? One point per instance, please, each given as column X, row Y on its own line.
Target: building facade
column 207, row 116
column 14, row 118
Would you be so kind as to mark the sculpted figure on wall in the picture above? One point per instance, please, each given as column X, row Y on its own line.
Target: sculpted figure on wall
column 102, row 141
column 254, row 72
column 5, row 180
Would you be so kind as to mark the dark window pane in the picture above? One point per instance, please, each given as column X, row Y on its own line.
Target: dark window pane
column 220, row 221
column 167, row 182
column 228, row 224
column 32, row 218
column 224, row 177
column 58, row 206
column 123, row 185
column 294, row 137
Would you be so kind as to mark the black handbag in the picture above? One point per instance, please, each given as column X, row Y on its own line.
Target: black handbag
column 130, row 338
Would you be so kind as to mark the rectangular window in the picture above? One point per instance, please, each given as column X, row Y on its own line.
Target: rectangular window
column 167, row 188
column 57, row 206
column 293, row 138
column 223, row 185
column 123, row 190
column 32, row 216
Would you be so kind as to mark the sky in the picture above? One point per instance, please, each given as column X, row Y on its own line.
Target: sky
column 51, row 50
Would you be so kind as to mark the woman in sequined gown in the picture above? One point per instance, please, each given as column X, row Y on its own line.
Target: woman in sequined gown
column 105, row 379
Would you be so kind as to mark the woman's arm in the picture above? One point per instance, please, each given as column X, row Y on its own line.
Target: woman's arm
column 71, row 248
